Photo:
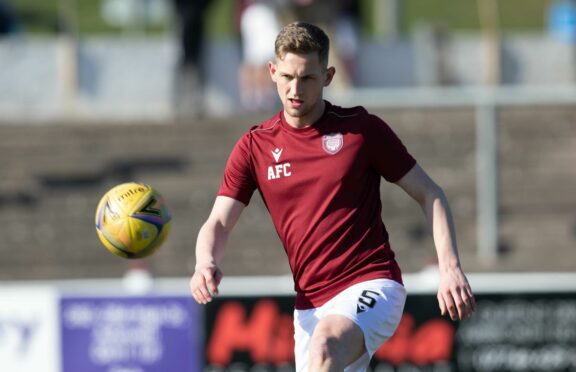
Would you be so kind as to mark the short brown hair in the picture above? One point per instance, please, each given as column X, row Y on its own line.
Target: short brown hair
column 302, row 38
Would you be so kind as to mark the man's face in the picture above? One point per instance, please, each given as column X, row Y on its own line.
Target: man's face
column 300, row 79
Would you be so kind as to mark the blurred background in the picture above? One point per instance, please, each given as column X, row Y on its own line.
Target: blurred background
column 98, row 92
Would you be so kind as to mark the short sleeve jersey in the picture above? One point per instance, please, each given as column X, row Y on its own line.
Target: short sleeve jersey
column 321, row 185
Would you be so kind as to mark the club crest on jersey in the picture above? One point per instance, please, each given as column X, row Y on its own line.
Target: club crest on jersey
column 332, row 143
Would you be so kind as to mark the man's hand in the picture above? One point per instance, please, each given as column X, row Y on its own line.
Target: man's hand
column 204, row 283
column 455, row 296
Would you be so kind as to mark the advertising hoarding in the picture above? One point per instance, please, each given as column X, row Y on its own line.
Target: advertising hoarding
column 509, row 332
column 131, row 334
column 29, row 329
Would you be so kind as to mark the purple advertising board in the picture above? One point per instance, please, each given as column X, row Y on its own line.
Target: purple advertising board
column 131, row 334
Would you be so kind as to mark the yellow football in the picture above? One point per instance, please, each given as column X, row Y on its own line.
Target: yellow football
column 132, row 220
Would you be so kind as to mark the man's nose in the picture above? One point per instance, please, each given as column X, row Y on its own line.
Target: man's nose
column 296, row 86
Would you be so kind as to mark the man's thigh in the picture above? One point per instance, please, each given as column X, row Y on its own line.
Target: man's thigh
column 374, row 307
column 341, row 336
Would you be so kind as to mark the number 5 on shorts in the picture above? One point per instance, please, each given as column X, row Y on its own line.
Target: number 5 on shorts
column 366, row 300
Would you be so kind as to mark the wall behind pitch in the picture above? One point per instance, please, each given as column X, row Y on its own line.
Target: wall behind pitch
column 133, row 78
column 97, row 327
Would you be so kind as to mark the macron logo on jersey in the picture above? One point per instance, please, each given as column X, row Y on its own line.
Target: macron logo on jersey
column 278, row 170
column 276, row 154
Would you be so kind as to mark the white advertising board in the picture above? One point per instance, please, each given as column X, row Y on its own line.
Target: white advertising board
column 29, row 334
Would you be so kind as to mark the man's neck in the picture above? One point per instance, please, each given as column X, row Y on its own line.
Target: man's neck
column 308, row 120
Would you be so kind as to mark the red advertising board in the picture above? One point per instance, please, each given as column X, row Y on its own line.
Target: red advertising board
column 509, row 332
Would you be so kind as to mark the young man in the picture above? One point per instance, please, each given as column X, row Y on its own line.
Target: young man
column 318, row 168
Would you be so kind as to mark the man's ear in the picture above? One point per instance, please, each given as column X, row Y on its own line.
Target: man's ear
column 272, row 68
column 330, row 71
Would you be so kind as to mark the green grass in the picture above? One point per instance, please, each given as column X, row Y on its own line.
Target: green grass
column 462, row 15
column 37, row 16
column 42, row 16
column 512, row 14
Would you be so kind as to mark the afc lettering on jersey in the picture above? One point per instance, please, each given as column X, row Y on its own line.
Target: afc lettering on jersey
column 279, row 170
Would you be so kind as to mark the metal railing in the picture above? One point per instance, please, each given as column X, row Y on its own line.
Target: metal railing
column 485, row 101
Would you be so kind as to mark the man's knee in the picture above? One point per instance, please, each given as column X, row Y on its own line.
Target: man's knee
column 324, row 353
column 336, row 342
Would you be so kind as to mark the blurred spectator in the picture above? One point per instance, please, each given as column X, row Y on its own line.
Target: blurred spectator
column 259, row 26
column 346, row 36
column 259, row 22
column 189, row 79
column 9, row 23
column 340, row 19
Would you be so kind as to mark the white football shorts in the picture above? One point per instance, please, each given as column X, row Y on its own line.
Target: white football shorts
column 376, row 306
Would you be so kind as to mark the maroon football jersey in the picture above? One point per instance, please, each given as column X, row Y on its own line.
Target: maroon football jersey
column 321, row 185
